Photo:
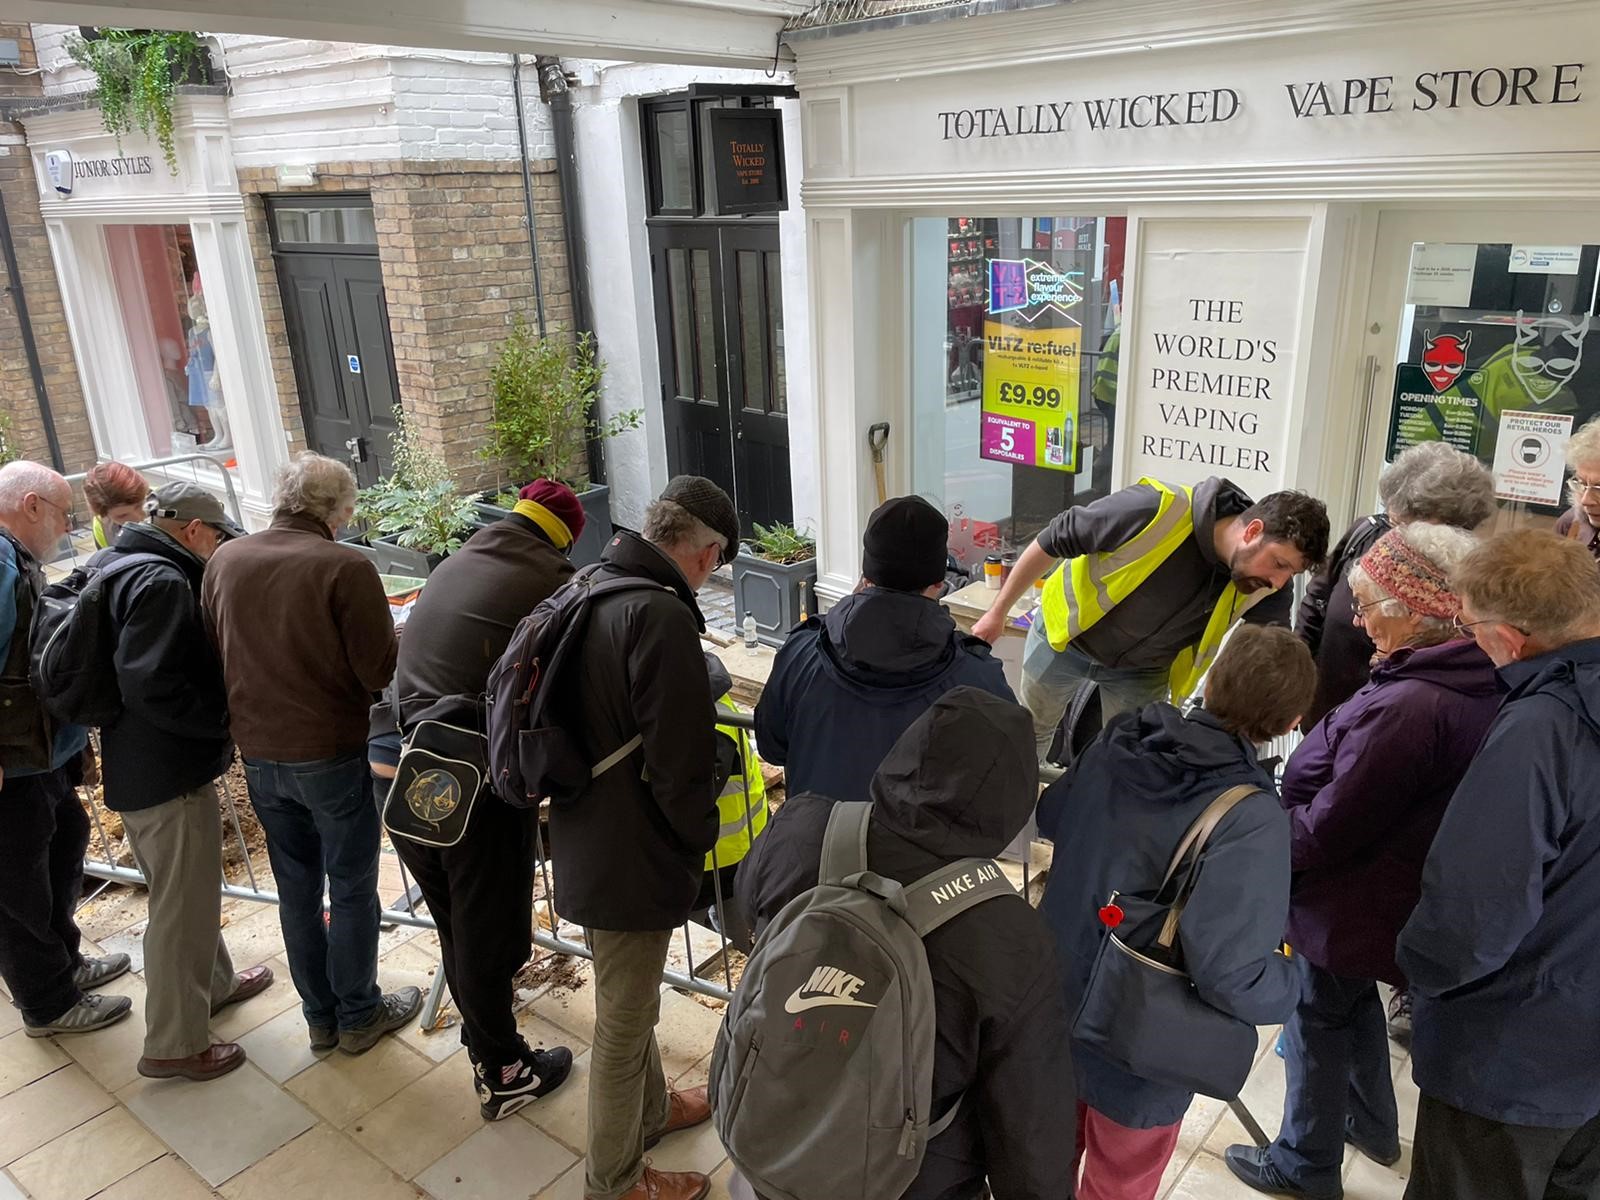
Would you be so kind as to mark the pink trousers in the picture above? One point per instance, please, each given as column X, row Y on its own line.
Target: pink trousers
column 1121, row 1163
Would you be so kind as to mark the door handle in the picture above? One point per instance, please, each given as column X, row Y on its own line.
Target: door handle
column 357, row 449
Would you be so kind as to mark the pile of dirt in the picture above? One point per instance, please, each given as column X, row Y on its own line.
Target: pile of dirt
column 559, row 972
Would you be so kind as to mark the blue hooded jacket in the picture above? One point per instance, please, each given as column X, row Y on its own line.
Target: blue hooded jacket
column 1116, row 819
column 1503, row 951
column 846, row 686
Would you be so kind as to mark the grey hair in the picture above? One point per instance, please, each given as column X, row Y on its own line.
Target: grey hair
column 667, row 524
column 1446, row 547
column 1584, row 446
column 1433, row 481
column 21, row 478
column 313, row 484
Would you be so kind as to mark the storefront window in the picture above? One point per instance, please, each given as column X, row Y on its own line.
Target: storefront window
column 1499, row 355
column 1016, row 326
column 174, row 369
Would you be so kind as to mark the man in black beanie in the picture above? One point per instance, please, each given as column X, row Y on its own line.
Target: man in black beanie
column 846, row 685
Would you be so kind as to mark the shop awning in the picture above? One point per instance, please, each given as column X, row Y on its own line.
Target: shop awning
column 741, row 33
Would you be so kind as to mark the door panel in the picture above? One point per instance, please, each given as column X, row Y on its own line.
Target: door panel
column 361, row 281
column 761, row 422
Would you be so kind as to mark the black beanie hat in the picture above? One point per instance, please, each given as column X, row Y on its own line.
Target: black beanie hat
column 702, row 498
column 905, row 547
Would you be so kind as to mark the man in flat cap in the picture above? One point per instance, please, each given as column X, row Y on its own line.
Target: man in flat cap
column 629, row 853
column 163, row 753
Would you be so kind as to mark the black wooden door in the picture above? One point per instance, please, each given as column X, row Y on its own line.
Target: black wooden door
column 343, row 356
column 719, row 327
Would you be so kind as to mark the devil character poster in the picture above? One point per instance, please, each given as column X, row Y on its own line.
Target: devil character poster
column 1464, row 378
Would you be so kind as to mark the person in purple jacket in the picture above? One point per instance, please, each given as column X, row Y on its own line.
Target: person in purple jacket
column 1365, row 793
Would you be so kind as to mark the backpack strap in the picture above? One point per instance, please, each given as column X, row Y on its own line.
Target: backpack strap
column 1195, row 840
column 844, row 845
column 942, row 895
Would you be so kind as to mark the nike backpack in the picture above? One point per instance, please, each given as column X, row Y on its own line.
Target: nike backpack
column 822, row 1074
column 71, row 649
column 532, row 755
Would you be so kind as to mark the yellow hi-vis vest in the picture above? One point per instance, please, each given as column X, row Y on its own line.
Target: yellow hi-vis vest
column 742, row 806
column 1099, row 582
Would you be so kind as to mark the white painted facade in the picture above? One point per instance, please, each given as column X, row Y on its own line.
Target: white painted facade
column 1307, row 220
column 306, row 103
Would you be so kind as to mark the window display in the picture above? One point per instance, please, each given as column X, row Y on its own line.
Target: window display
column 1014, row 374
column 163, row 303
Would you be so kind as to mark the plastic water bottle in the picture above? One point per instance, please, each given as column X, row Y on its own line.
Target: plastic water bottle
column 751, row 641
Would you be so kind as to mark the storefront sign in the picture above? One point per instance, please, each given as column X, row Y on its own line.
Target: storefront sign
column 747, row 160
column 1030, row 395
column 1530, row 457
column 1545, row 260
column 1442, row 274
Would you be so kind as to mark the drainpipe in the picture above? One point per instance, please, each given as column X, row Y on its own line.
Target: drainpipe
column 30, row 348
column 555, row 90
column 527, row 188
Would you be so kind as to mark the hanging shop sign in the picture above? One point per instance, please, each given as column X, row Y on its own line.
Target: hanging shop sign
column 747, row 161
column 1030, row 395
column 1530, row 458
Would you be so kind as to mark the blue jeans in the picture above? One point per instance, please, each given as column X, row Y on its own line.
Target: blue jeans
column 1050, row 678
column 321, row 824
column 1336, row 1056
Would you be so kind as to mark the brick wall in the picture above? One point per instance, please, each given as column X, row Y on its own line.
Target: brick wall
column 38, row 277
column 456, row 270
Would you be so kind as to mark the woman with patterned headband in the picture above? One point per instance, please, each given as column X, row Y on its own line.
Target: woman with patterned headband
column 1365, row 793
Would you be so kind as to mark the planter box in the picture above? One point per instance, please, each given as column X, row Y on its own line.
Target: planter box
column 770, row 592
column 394, row 559
column 597, row 529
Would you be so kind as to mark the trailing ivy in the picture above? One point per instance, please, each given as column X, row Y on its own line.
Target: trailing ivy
column 136, row 73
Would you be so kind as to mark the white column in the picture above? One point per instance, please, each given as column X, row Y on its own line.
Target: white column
column 99, row 342
column 804, row 472
column 244, row 366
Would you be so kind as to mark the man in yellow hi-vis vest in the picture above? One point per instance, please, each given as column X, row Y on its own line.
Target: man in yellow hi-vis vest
column 1155, row 576
column 741, row 816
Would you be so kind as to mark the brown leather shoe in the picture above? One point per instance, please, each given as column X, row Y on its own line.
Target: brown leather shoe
column 667, row 1185
column 246, row 984
column 213, row 1062
column 685, row 1110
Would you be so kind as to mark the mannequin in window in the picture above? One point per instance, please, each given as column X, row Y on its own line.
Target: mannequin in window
column 204, row 389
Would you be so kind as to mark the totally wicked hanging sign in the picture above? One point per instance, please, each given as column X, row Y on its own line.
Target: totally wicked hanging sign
column 1030, row 373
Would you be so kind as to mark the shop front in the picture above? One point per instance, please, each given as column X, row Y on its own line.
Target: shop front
column 1061, row 248
column 161, row 298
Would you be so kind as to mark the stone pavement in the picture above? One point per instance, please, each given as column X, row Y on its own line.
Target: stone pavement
column 76, row 1121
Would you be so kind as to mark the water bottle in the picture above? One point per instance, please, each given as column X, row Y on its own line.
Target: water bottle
column 751, row 641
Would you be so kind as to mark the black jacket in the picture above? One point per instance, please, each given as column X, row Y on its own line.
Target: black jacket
column 629, row 853
column 960, row 783
column 846, row 686
column 1325, row 622
column 172, row 734
column 464, row 618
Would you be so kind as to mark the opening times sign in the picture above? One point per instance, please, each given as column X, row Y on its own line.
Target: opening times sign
column 1030, row 395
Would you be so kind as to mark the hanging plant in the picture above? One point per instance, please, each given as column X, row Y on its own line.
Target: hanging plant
column 136, row 75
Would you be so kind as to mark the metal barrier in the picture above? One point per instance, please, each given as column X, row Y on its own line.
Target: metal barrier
column 160, row 464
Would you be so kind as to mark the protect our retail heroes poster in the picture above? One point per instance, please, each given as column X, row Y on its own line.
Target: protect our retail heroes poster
column 1030, row 395
column 1530, row 457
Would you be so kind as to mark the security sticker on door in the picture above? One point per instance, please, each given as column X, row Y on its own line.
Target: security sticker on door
column 1530, row 457
column 355, row 363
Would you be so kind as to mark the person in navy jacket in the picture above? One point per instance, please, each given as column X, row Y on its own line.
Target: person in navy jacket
column 1503, row 950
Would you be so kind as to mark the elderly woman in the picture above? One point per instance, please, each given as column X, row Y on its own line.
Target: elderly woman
column 1581, row 522
column 1365, row 793
column 116, row 494
column 1430, row 482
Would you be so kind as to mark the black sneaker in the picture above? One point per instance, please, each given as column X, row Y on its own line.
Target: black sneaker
column 1253, row 1167
column 541, row 1072
column 394, row 1011
column 1399, row 1018
column 323, row 1038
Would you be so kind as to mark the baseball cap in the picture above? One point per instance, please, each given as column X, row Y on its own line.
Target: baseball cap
column 701, row 498
column 183, row 501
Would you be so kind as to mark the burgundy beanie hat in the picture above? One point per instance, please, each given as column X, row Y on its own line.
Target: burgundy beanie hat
column 1410, row 578
column 561, row 500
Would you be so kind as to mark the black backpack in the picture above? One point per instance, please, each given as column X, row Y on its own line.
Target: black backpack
column 71, row 651
column 532, row 756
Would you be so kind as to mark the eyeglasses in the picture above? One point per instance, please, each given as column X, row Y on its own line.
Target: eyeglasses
column 1465, row 628
column 1360, row 610
column 71, row 517
column 1581, row 487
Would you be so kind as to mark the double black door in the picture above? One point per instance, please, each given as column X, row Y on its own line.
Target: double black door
column 343, row 355
column 719, row 321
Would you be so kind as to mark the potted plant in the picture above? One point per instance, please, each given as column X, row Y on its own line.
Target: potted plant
column 415, row 516
column 137, row 73
column 774, row 580
column 545, row 391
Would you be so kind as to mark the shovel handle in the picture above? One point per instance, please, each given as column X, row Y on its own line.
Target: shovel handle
column 877, row 438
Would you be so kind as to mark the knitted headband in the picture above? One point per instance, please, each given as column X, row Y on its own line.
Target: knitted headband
column 1410, row 578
